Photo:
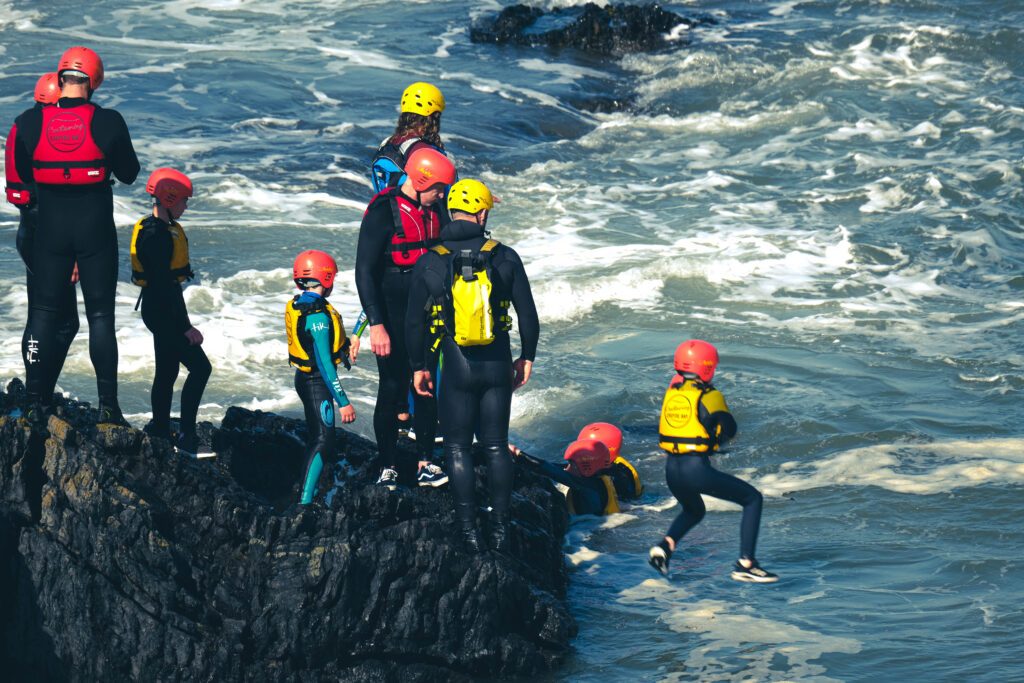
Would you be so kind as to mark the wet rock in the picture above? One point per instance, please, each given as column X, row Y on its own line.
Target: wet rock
column 611, row 30
column 123, row 560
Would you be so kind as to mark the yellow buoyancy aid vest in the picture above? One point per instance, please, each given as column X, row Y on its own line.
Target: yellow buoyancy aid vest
column 638, row 488
column 181, row 270
column 681, row 429
column 300, row 342
column 611, row 505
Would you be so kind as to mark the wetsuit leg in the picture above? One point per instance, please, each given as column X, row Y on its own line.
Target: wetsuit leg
column 173, row 350
column 318, row 405
column 198, row 365
column 690, row 475
column 164, row 376
column 458, row 407
column 495, row 380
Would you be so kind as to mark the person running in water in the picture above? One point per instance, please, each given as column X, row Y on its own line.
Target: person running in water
column 23, row 195
column 470, row 282
column 694, row 422
column 316, row 345
column 160, row 263
column 70, row 151
column 399, row 226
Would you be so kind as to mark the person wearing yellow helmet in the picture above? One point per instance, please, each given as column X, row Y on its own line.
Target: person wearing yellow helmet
column 71, row 151
column 459, row 301
column 418, row 127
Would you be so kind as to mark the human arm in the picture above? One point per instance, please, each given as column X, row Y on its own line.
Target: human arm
column 319, row 327
column 714, row 414
column 355, row 339
column 374, row 235
column 112, row 136
column 424, row 283
column 529, row 321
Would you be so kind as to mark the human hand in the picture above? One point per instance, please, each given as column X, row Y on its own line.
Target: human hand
column 347, row 414
column 423, row 382
column 380, row 341
column 353, row 348
column 194, row 336
column 522, row 373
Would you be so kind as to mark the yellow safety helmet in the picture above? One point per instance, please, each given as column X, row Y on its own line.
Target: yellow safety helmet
column 469, row 196
column 423, row 99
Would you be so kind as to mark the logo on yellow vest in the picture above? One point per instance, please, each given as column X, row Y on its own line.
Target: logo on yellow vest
column 677, row 410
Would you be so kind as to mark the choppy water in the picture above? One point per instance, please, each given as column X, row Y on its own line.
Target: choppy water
column 829, row 191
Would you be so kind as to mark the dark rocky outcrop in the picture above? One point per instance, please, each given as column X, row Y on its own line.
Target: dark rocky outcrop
column 612, row 30
column 123, row 561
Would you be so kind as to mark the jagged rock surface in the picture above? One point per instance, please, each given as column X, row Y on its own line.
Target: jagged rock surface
column 611, row 30
column 123, row 560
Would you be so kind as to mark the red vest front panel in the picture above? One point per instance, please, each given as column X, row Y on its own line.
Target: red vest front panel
column 66, row 153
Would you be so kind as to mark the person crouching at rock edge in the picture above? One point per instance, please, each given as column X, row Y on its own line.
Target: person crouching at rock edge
column 470, row 281
column 694, row 422
column 316, row 345
column 160, row 263
column 399, row 226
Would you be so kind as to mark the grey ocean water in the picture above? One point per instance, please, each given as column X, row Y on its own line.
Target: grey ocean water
column 831, row 192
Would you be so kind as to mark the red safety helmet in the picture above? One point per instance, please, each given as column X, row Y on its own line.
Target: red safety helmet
column 697, row 357
column 427, row 167
column 168, row 186
column 589, row 456
column 608, row 434
column 47, row 89
column 315, row 265
column 85, row 60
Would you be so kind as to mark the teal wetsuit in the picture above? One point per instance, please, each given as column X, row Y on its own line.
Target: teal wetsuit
column 319, row 389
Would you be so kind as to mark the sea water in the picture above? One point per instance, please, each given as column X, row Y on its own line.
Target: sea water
column 830, row 192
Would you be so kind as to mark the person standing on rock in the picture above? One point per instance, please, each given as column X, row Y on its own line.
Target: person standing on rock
column 316, row 345
column 160, row 263
column 70, row 151
column 23, row 195
column 399, row 226
column 466, row 286
column 418, row 127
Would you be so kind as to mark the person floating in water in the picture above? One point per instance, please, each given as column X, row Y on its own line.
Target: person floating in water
column 160, row 263
column 695, row 421
column 316, row 344
column 596, row 476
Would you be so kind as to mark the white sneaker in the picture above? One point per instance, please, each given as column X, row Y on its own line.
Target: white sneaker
column 389, row 478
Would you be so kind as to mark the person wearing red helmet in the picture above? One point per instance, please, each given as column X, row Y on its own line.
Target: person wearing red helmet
column 623, row 474
column 23, row 195
column 695, row 422
column 399, row 226
column 71, row 151
column 316, row 345
column 160, row 263
column 459, row 304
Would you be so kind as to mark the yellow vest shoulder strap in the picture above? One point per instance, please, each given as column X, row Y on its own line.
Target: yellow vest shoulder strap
column 612, row 506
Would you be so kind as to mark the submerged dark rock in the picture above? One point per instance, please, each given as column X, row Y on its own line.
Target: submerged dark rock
column 611, row 30
column 123, row 560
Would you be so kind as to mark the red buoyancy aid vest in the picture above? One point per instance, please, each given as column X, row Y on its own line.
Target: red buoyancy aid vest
column 66, row 153
column 417, row 228
column 18, row 191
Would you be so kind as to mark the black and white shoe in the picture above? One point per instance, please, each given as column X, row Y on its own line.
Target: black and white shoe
column 388, row 478
column 431, row 475
column 189, row 446
column 753, row 573
column 659, row 556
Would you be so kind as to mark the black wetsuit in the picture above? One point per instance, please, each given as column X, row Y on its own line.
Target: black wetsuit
column 475, row 392
column 691, row 475
column 384, row 293
column 76, row 224
column 68, row 326
column 165, row 315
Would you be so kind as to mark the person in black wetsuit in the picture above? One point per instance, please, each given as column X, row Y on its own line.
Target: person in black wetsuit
column 23, row 195
column 399, row 225
column 160, row 263
column 70, row 151
column 695, row 421
column 316, row 345
column 479, row 375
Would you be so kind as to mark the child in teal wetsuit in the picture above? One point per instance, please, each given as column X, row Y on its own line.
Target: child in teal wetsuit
column 316, row 344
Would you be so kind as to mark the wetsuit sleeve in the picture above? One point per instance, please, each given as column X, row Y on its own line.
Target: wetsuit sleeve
column 361, row 324
column 319, row 327
column 113, row 138
column 718, row 421
column 587, row 498
column 374, row 235
column 424, row 283
column 29, row 125
column 526, row 309
column 155, row 252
